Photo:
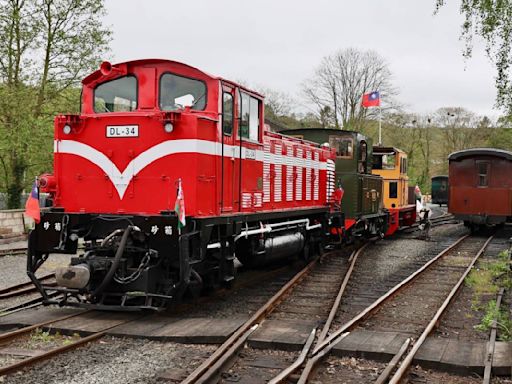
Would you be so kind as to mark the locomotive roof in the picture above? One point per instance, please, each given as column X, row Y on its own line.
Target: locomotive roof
column 378, row 150
column 480, row 152
column 319, row 129
column 97, row 74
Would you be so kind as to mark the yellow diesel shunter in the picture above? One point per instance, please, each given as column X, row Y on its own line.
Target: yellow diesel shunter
column 391, row 164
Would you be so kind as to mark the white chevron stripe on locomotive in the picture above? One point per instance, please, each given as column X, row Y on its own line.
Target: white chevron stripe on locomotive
column 121, row 180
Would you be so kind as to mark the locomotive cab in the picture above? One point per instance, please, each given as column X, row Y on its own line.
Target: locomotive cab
column 362, row 199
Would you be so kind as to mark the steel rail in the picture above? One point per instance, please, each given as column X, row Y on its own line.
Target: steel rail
column 298, row 362
column 313, row 360
column 489, row 356
column 57, row 351
column 377, row 303
column 25, row 305
column 393, row 363
column 217, row 366
column 23, row 288
column 13, row 251
column 408, row 359
column 21, row 331
column 336, row 304
column 200, row 372
column 334, row 309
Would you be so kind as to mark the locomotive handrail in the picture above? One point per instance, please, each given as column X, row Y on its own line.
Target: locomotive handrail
column 267, row 228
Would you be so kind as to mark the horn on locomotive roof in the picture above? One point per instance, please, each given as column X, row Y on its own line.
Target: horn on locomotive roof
column 107, row 69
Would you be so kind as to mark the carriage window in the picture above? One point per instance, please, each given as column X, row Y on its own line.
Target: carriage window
column 249, row 113
column 483, row 172
column 227, row 113
column 393, row 190
column 344, row 146
column 119, row 95
column 177, row 92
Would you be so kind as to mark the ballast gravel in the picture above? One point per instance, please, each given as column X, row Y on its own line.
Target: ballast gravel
column 115, row 361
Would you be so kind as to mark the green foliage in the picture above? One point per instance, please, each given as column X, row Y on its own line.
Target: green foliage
column 490, row 276
column 488, row 279
column 491, row 20
column 46, row 48
column 503, row 322
column 40, row 336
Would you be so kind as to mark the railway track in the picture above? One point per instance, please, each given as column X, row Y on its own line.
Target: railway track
column 315, row 292
column 398, row 309
column 446, row 218
column 13, row 251
column 25, row 288
column 18, row 342
column 455, row 261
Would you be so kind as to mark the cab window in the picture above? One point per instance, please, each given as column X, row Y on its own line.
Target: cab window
column 388, row 161
column 227, row 113
column 119, row 95
column 177, row 92
column 403, row 165
column 344, row 146
column 249, row 112
column 363, row 154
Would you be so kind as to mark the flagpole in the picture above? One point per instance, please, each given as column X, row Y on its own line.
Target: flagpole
column 380, row 126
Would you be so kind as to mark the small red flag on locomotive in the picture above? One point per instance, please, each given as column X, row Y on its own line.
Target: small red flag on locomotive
column 371, row 99
column 179, row 206
column 338, row 194
column 32, row 208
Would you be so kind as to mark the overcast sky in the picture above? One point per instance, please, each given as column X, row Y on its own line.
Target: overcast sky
column 278, row 43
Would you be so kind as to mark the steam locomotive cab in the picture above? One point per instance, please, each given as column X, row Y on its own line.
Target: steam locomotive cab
column 164, row 178
column 362, row 200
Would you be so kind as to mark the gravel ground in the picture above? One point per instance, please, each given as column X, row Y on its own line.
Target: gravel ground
column 115, row 361
column 348, row 370
column 396, row 259
column 14, row 268
column 421, row 376
column 14, row 272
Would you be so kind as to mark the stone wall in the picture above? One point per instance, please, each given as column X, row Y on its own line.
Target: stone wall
column 15, row 222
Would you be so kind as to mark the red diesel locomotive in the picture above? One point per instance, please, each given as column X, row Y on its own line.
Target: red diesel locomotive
column 146, row 130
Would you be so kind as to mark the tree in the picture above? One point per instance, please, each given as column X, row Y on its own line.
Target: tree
column 491, row 20
column 339, row 82
column 46, row 47
column 459, row 130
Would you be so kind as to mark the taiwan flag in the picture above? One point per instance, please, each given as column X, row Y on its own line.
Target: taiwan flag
column 32, row 208
column 179, row 206
column 371, row 99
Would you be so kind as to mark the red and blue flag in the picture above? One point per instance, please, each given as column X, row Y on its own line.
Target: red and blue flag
column 32, row 208
column 179, row 206
column 371, row 99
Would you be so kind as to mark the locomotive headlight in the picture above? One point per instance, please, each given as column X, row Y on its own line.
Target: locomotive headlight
column 66, row 129
column 168, row 127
